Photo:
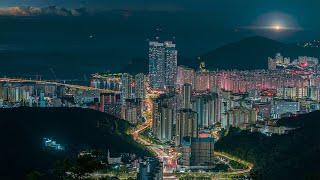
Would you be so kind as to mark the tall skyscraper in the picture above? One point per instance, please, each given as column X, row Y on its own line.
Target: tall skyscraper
column 187, row 89
column 131, row 110
column 197, row 152
column 202, row 152
column 156, row 64
column 140, row 86
column 110, row 103
column 205, row 107
column 166, row 121
column 162, row 64
column 127, row 87
column 185, row 75
column 163, row 117
column 187, row 125
column 171, row 56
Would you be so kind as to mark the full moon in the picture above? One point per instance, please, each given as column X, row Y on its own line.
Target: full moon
column 276, row 23
column 277, row 27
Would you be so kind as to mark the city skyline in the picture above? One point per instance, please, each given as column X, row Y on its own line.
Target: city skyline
column 191, row 115
column 159, row 90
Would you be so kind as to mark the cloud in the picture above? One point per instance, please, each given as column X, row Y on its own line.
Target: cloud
column 37, row 11
column 273, row 28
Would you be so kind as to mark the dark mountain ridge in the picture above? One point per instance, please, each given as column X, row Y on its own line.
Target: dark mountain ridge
column 246, row 54
column 291, row 156
column 253, row 53
column 22, row 131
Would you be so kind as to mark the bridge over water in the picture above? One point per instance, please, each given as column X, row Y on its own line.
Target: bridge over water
column 44, row 82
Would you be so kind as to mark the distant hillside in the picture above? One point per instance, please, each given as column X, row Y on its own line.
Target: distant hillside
column 249, row 53
column 22, row 130
column 291, row 156
column 252, row 53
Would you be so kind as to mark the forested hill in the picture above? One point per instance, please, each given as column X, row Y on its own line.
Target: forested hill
column 253, row 53
column 22, row 130
column 291, row 156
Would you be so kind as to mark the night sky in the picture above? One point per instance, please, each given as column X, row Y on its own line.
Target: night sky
column 245, row 7
column 298, row 19
column 239, row 12
column 196, row 27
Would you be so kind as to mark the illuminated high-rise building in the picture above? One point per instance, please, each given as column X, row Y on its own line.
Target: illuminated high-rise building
column 131, row 111
column 110, row 81
column 279, row 60
column 186, row 126
column 171, row 57
column 202, row 81
column 202, row 152
column 164, row 108
column 204, row 105
column 139, row 86
column 239, row 116
column 185, row 75
column 127, row 87
column 110, row 103
column 156, row 64
column 166, row 124
column 162, row 64
column 281, row 107
column 187, row 90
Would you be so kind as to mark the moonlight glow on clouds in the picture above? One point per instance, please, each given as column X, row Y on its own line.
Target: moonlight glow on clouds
column 274, row 27
column 275, row 22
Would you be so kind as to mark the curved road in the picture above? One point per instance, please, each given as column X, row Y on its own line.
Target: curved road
column 237, row 172
column 163, row 156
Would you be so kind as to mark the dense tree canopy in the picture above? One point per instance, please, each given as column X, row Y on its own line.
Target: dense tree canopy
column 291, row 156
column 22, row 130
